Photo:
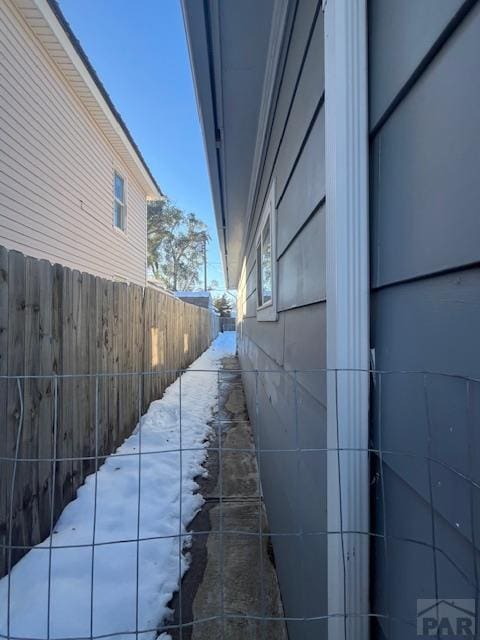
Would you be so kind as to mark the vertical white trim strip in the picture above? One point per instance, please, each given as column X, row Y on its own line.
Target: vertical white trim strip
column 347, row 251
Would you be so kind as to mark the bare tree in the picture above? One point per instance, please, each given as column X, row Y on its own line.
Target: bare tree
column 175, row 243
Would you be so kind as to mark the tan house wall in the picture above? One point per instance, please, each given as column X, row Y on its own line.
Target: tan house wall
column 56, row 167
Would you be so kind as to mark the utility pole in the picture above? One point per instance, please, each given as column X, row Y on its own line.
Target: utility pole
column 205, row 262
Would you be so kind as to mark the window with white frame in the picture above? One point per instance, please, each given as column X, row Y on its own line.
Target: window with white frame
column 264, row 262
column 119, row 202
column 266, row 276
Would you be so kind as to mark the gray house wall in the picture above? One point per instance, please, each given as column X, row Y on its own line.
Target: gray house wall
column 425, row 303
column 288, row 415
column 424, row 99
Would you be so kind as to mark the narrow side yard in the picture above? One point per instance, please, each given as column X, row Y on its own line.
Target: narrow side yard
column 231, row 591
column 132, row 512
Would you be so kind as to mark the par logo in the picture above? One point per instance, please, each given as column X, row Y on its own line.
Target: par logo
column 446, row 618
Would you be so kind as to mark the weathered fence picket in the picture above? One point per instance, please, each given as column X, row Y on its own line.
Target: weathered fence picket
column 58, row 321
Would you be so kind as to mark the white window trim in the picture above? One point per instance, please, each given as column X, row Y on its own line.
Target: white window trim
column 346, row 152
column 259, row 245
column 268, row 311
column 116, row 172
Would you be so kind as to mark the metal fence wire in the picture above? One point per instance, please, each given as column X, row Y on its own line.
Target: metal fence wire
column 223, row 532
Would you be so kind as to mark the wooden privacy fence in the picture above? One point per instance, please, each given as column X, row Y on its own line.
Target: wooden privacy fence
column 58, row 321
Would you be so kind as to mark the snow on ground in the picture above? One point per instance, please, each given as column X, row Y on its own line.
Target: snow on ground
column 115, row 565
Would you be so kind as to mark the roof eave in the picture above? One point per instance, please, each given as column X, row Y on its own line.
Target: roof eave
column 202, row 62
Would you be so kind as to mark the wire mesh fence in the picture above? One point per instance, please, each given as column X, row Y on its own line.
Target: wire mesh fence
column 250, row 503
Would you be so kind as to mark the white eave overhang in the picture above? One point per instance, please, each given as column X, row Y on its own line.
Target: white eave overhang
column 48, row 28
column 231, row 53
column 199, row 38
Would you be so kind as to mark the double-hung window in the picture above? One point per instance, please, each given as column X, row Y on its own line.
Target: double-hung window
column 119, row 202
column 266, row 262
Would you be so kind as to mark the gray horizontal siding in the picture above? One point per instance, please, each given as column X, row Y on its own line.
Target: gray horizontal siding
column 425, row 304
column 299, row 172
column 268, row 336
column 425, row 169
column 288, row 408
column 251, row 306
column 251, row 259
column 289, row 79
column 431, row 324
column 251, row 285
column 306, row 187
column 305, row 347
column 305, row 103
column 299, row 99
column 301, row 270
column 412, row 564
column 286, row 416
column 397, row 597
column 403, row 32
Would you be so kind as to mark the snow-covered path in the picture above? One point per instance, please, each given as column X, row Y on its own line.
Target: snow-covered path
column 115, row 575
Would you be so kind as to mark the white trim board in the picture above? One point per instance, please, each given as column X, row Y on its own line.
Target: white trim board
column 268, row 312
column 347, row 254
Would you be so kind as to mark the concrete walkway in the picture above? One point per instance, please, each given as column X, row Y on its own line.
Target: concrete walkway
column 236, row 578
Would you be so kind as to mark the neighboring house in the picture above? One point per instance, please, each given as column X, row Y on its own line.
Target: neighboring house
column 73, row 184
column 343, row 146
column 198, row 298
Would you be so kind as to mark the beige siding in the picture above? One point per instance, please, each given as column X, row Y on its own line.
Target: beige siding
column 56, row 168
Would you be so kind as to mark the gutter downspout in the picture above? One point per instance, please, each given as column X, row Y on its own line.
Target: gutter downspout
column 347, row 253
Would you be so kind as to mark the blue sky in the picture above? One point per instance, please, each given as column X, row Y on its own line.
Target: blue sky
column 139, row 51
